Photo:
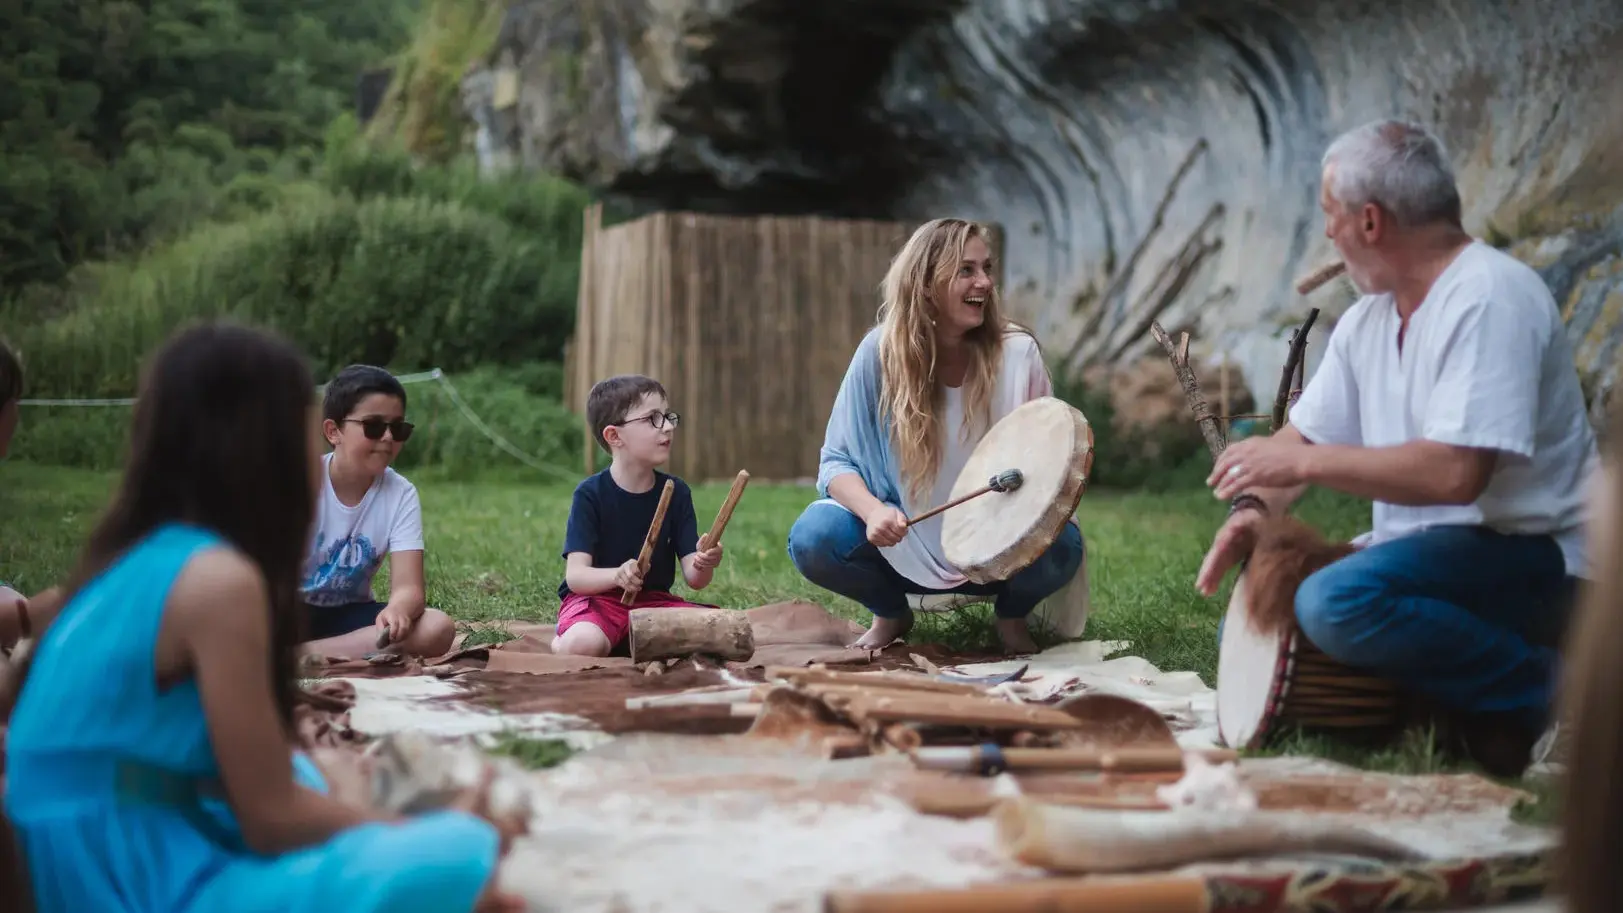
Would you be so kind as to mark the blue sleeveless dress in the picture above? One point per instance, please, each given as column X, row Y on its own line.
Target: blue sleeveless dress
column 108, row 783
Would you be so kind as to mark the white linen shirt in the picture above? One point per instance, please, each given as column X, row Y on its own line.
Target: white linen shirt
column 1485, row 363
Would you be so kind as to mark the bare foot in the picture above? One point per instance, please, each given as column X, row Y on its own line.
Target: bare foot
column 1015, row 636
column 884, row 631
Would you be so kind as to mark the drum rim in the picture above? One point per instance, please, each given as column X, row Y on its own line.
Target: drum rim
column 1021, row 556
column 1278, row 689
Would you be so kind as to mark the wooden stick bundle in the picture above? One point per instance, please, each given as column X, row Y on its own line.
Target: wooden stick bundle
column 952, row 710
column 1154, row 759
column 868, row 681
column 648, row 541
column 713, row 537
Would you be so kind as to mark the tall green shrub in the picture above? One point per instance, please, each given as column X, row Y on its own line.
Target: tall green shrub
column 408, row 283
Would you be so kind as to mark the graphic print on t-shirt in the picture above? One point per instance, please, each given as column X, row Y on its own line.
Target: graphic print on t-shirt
column 343, row 571
column 350, row 543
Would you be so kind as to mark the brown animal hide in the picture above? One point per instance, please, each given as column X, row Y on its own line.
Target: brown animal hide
column 1286, row 552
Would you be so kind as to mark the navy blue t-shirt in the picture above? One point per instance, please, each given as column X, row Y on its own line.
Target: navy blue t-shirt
column 609, row 523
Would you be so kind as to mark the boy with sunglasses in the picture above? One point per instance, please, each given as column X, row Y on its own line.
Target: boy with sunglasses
column 365, row 512
column 609, row 518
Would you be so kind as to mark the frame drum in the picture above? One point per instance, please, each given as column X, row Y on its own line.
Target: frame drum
column 993, row 536
column 1266, row 682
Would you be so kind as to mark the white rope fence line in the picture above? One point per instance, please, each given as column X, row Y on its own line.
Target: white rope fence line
column 433, row 375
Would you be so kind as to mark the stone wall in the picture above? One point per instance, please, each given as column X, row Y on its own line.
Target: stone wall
column 1149, row 159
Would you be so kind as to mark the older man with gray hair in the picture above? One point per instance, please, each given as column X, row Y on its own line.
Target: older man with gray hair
column 1448, row 396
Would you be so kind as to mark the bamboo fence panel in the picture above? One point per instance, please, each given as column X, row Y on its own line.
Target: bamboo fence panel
column 749, row 322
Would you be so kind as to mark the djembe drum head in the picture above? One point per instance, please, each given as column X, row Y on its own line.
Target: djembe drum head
column 1251, row 670
column 1271, row 680
column 991, row 537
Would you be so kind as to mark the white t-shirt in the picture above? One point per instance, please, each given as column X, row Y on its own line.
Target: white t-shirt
column 919, row 555
column 350, row 543
column 1485, row 363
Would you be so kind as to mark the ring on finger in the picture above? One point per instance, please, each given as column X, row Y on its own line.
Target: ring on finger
column 1234, row 470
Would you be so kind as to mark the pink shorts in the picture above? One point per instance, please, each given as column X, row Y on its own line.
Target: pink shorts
column 611, row 615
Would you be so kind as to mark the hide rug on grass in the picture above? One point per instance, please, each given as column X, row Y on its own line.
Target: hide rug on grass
column 693, row 807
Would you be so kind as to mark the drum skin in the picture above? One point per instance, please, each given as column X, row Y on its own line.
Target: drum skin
column 1269, row 680
column 994, row 536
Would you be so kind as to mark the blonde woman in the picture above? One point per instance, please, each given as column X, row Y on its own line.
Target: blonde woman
column 941, row 367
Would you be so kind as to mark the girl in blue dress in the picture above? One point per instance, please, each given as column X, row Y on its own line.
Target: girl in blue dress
column 150, row 764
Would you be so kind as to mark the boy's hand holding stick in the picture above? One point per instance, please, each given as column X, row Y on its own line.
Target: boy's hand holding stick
column 647, row 554
column 713, row 538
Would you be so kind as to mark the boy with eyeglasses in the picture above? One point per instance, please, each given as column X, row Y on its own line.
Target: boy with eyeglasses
column 610, row 516
column 365, row 512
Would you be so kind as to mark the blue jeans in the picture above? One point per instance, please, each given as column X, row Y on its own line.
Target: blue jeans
column 830, row 547
column 1463, row 615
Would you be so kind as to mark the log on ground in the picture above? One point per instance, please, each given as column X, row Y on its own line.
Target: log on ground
column 658, row 634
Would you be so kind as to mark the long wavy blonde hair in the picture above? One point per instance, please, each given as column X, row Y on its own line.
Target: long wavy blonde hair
column 910, row 395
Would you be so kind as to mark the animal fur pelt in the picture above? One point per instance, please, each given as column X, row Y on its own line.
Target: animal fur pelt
column 1285, row 552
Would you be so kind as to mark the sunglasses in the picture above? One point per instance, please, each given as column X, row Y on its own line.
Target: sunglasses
column 373, row 428
column 656, row 419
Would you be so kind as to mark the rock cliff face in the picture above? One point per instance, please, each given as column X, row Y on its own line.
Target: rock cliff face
column 1147, row 159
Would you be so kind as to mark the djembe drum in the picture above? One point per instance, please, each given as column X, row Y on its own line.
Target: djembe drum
column 991, row 537
column 1269, row 674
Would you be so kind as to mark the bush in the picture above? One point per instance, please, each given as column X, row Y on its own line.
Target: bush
column 406, row 283
column 446, row 444
column 537, row 424
column 1164, row 458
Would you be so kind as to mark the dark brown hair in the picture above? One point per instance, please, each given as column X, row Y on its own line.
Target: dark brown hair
column 220, row 440
column 611, row 399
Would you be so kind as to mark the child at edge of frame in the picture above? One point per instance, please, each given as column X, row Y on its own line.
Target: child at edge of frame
column 366, row 512
column 609, row 518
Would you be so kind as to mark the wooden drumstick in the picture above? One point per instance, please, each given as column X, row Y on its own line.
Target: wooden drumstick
column 1312, row 281
column 648, row 541
column 1007, row 480
column 726, row 513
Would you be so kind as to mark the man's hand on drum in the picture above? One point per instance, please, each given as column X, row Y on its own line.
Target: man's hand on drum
column 886, row 526
column 1233, row 542
column 1258, row 462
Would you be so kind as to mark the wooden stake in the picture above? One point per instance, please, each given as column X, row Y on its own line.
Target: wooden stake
column 648, row 541
column 1179, row 356
column 1293, row 367
column 713, row 537
column 680, row 633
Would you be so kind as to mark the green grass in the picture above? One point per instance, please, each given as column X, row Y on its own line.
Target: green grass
column 493, row 554
column 493, row 559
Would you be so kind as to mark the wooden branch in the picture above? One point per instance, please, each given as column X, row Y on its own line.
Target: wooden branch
column 1169, row 283
column 1179, row 356
column 1294, row 368
column 1119, row 281
column 1310, row 283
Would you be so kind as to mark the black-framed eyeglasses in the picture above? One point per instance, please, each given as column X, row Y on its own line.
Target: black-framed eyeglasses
column 659, row 421
column 373, row 428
